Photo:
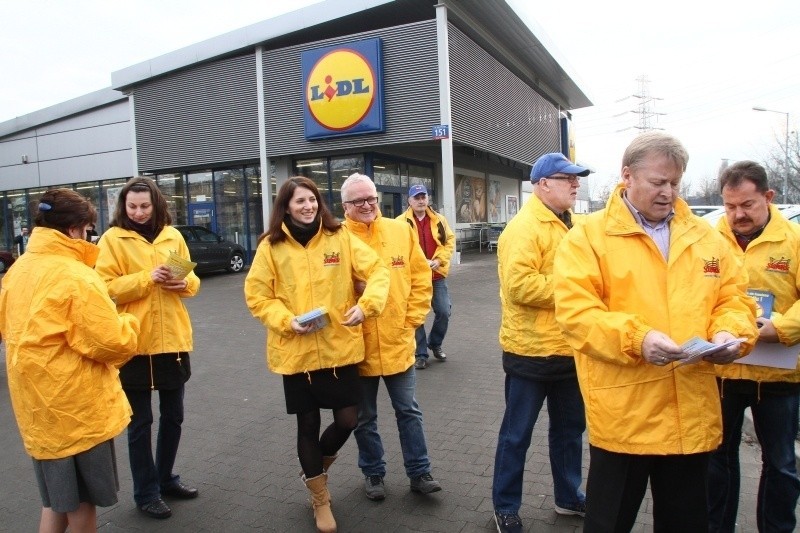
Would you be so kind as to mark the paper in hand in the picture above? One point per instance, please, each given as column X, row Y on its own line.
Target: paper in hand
column 697, row 348
column 179, row 266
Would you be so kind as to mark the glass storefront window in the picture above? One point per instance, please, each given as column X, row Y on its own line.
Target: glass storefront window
column 386, row 173
column 17, row 215
column 201, row 188
column 91, row 191
column 422, row 175
column 109, row 192
column 341, row 168
column 316, row 170
column 229, row 199
column 174, row 190
column 254, row 206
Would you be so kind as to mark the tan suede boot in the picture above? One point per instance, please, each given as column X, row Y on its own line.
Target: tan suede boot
column 321, row 503
column 327, row 461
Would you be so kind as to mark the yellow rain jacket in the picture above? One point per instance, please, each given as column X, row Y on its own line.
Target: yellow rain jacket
column 525, row 253
column 771, row 262
column 612, row 286
column 125, row 262
column 64, row 343
column 287, row 280
column 389, row 339
column 442, row 234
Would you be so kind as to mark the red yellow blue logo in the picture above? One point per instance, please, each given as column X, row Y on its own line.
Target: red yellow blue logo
column 343, row 90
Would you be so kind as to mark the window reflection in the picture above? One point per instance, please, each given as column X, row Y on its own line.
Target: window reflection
column 174, row 190
column 230, row 187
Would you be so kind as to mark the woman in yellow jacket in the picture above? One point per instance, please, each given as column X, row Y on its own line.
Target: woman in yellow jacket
column 132, row 262
column 64, row 342
column 305, row 261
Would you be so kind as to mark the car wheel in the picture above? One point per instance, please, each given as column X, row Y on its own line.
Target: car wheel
column 236, row 263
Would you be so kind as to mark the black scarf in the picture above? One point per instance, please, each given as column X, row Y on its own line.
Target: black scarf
column 302, row 233
column 146, row 230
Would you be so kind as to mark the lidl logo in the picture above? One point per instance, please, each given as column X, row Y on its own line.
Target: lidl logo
column 343, row 89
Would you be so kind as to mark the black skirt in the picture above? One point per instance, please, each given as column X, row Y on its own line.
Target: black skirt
column 329, row 388
column 165, row 371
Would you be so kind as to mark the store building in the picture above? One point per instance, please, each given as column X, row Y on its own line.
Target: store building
column 459, row 95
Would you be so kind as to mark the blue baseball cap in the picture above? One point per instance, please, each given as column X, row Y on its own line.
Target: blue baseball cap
column 417, row 189
column 550, row 164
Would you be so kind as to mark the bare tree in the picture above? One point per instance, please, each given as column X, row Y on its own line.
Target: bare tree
column 775, row 163
column 708, row 192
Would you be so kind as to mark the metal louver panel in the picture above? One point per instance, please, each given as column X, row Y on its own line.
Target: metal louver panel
column 207, row 114
column 411, row 92
column 493, row 110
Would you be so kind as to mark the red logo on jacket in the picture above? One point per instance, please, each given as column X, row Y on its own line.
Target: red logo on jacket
column 331, row 259
column 778, row 265
column 711, row 266
column 398, row 262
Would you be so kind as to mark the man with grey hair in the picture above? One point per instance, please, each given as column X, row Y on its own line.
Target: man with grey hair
column 389, row 340
column 633, row 283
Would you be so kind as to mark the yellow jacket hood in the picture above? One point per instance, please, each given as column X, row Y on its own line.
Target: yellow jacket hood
column 125, row 262
column 287, row 280
column 525, row 253
column 442, row 234
column 389, row 338
column 612, row 286
column 771, row 261
column 64, row 343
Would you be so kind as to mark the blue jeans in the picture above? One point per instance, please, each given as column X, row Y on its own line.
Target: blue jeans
column 524, row 399
column 775, row 420
column 441, row 305
column 150, row 476
column 409, row 425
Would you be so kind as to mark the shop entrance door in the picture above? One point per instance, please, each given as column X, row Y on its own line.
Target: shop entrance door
column 202, row 214
column 391, row 204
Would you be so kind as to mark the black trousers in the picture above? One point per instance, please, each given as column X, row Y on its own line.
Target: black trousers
column 617, row 483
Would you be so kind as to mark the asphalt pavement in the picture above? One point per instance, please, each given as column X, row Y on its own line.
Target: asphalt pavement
column 238, row 445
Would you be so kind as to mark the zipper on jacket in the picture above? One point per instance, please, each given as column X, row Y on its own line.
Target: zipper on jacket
column 152, row 379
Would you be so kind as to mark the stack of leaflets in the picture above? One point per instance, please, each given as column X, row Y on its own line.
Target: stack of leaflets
column 318, row 318
column 697, row 348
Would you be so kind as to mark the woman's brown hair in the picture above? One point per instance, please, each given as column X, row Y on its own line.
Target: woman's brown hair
column 274, row 233
column 62, row 209
column 161, row 216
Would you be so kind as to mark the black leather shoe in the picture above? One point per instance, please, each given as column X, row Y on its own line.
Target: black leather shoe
column 179, row 490
column 156, row 509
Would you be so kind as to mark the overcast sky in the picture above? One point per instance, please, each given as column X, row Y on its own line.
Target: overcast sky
column 708, row 62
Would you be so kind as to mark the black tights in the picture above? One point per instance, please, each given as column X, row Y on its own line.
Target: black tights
column 311, row 447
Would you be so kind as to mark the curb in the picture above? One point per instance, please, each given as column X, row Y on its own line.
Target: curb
column 750, row 430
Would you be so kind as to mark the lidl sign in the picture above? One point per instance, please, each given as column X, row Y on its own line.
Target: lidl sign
column 343, row 87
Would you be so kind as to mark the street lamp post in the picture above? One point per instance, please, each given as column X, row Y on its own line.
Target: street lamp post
column 786, row 160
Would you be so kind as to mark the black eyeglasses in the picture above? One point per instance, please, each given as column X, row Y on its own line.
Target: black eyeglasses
column 372, row 200
column 573, row 180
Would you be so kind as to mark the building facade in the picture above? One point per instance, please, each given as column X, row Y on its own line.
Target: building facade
column 458, row 95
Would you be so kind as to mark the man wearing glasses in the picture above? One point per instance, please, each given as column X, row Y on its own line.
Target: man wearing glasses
column 389, row 341
column 537, row 360
column 437, row 241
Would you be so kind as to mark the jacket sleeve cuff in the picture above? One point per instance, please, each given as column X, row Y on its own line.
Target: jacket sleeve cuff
column 638, row 338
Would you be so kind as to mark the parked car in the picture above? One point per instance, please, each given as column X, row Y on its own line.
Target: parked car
column 790, row 211
column 6, row 260
column 210, row 251
column 701, row 210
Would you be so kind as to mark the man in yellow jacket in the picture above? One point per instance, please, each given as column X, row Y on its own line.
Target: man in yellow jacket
column 769, row 246
column 389, row 340
column 537, row 360
column 438, row 242
column 633, row 282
